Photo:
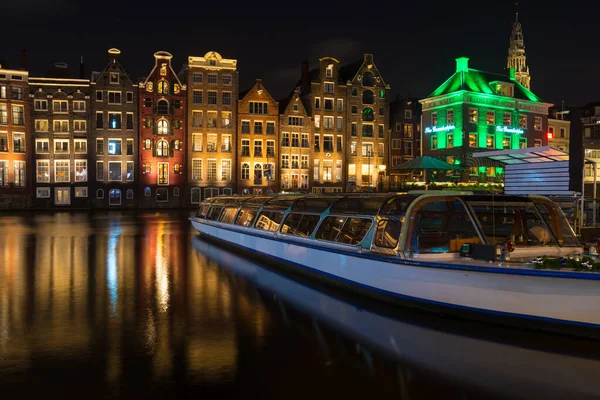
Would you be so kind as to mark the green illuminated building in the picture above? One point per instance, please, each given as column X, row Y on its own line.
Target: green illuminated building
column 481, row 111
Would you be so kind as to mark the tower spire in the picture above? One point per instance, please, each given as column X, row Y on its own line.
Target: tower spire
column 516, row 52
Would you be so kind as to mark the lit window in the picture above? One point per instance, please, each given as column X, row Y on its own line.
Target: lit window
column 473, row 115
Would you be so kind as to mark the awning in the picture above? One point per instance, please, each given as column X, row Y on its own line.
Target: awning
column 534, row 170
column 527, row 155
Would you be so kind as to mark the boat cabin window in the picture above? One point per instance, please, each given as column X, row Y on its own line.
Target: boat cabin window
column 246, row 217
column 358, row 205
column 228, row 214
column 203, row 210
column 269, row 220
column 214, row 212
column 282, row 203
column 388, row 233
column 396, row 205
column 560, row 227
column 314, row 204
column 299, row 224
column 346, row 230
column 515, row 221
column 440, row 225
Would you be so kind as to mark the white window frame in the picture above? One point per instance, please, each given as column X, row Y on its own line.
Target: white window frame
column 41, row 130
column 61, row 141
column 62, row 189
column 60, row 102
column 80, row 189
column 81, row 123
column 77, row 106
column 56, row 170
column 158, row 173
column 87, row 170
column 37, row 168
column 120, row 169
column 42, row 192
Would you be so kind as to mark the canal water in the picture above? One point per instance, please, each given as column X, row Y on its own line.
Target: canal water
column 136, row 305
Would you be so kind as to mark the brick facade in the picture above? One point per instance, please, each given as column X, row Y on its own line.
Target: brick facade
column 113, row 147
column 163, row 140
column 258, row 138
column 61, row 131
column 16, row 182
column 295, row 127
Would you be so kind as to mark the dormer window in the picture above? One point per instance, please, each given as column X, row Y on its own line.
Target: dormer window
column 503, row 88
column 212, row 62
column 329, row 71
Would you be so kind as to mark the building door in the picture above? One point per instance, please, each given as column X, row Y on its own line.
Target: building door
column 114, row 197
column 62, row 196
column 163, row 173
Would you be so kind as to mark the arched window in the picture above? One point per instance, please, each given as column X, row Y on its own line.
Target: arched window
column 99, row 194
column 146, row 168
column 163, row 87
column 368, row 97
column 177, row 169
column 163, row 127
column 162, row 107
column 367, row 114
column 177, row 145
column 114, row 197
column 162, row 194
column 258, row 174
column 162, row 149
column 354, row 91
column 245, row 171
column 147, row 191
column 147, row 144
column 176, row 192
column 129, row 194
column 368, row 79
column 195, row 196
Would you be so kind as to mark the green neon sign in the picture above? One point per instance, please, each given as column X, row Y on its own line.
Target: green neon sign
column 435, row 129
column 507, row 129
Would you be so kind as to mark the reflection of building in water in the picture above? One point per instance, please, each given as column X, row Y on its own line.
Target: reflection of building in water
column 43, row 292
column 131, row 300
column 13, row 294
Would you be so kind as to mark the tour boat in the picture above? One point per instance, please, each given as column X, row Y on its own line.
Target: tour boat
column 476, row 256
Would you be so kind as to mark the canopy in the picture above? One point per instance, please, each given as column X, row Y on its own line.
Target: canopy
column 427, row 162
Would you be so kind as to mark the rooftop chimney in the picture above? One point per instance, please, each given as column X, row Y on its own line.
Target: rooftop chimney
column 462, row 64
column 81, row 69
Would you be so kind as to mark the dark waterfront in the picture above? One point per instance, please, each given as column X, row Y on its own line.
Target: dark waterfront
column 112, row 305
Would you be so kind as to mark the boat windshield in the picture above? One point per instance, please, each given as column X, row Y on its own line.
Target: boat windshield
column 519, row 222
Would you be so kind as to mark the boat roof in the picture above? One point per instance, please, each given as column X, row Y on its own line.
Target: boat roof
column 384, row 204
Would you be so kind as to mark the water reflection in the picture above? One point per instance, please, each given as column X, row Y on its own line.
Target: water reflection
column 123, row 306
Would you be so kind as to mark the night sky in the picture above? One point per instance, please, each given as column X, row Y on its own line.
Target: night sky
column 414, row 43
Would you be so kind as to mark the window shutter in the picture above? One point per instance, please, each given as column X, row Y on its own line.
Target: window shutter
column 153, row 148
column 171, row 146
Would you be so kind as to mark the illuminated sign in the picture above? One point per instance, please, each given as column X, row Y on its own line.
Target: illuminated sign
column 434, row 129
column 507, row 129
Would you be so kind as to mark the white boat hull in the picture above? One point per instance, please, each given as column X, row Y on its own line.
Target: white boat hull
column 535, row 298
column 511, row 370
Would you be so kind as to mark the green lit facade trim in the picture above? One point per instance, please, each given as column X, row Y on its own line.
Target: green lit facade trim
column 444, row 128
